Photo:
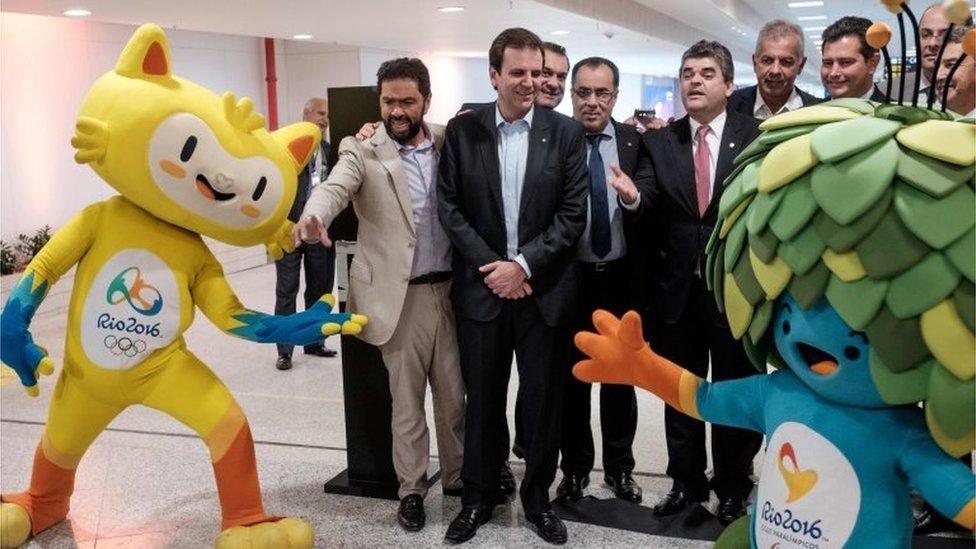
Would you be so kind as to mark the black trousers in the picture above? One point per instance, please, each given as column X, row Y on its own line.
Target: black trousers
column 702, row 331
column 319, row 276
column 486, row 364
column 604, row 287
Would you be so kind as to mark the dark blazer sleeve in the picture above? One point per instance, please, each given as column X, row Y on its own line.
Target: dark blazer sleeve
column 465, row 239
column 559, row 239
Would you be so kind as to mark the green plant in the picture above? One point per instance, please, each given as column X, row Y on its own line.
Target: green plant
column 28, row 246
column 8, row 260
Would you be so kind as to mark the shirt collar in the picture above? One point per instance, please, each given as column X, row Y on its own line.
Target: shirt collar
column 607, row 130
column 499, row 120
column 869, row 93
column 794, row 102
column 715, row 125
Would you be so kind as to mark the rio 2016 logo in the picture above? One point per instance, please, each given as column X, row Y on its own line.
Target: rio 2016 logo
column 142, row 297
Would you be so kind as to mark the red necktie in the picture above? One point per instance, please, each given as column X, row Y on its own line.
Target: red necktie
column 703, row 183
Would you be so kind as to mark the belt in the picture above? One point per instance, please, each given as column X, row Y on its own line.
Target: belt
column 601, row 266
column 432, row 278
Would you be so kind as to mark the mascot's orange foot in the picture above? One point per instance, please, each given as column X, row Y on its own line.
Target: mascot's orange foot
column 287, row 533
column 15, row 525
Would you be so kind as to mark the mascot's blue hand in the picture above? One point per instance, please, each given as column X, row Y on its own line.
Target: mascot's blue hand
column 17, row 347
column 304, row 328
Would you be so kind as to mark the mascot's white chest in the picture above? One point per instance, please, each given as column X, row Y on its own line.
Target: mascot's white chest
column 131, row 309
column 809, row 495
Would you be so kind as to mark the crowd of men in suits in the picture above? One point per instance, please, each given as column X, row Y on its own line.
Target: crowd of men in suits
column 500, row 234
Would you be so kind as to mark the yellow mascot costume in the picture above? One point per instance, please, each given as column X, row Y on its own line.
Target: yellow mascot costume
column 186, row 163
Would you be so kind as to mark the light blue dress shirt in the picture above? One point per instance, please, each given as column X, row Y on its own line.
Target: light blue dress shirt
column 433, row 252
column 513, row 153
column 618, row 245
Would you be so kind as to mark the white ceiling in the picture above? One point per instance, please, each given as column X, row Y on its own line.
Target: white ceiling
column 643, row 36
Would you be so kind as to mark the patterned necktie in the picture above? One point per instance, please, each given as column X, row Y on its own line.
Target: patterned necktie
column 703, row 182
column 599, row 207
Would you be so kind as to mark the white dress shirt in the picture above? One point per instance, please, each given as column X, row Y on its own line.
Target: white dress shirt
column 618, row 246
column 714, row 140
column 761, row 111
column 433, row 251
column 513, row 153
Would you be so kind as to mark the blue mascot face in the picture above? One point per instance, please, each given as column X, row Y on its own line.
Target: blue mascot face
column 826, row 354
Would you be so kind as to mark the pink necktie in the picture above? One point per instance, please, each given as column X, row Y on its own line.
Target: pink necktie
column 702, row 170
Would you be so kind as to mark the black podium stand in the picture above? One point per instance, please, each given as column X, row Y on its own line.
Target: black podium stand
column 369, row 441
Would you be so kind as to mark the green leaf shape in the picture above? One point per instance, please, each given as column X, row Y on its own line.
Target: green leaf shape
column 856, row 302
column 898, row 342
column 814, row 114
column 862, row 106
column 890, row 249
column 715, row 277
column 762, row 209
column 760, row 320
column 922, row 287
column 751, row 152
column 953, row 410
column 964, row 299
column 804, row 251
column 773, row 137
column 741, row 188
column 795, row 211
column 757, row 352
column 908, row 115
column 843, row 238
column 745, row 278
column 834, row 142
column 943, row 139
column 764, row 244
column 786, row 162
column 906, row 387
column 936, row 221
column 849, row 188
column 962, row 254
column 808, row 288
column 734, row 242
column 930, row 175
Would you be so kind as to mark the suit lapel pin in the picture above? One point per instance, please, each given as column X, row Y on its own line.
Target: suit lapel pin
column 629, row 144
column 543, row 139
column 731, row 145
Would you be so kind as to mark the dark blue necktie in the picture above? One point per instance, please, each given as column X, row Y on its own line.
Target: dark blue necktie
column 599, row 208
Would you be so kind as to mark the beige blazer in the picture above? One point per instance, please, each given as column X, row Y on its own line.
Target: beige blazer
column 370, row 174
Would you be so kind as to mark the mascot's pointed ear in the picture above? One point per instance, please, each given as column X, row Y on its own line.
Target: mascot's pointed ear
column 301, row 140
column 146, row 55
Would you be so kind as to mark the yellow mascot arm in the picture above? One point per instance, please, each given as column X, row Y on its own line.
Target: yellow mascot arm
column 619, row 355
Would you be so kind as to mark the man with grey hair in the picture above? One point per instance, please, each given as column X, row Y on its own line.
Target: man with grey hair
column 690, row 158
column 778, row 60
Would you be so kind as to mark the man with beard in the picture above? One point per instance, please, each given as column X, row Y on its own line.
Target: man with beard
column 400, row 276
column 319, row 260
column 608, row 256
column 512, row 195
column 778, row 60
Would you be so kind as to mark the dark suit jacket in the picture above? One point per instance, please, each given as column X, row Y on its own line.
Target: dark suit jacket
column 304, row 180
column 552, row 210
column 668, row 196
column 743, row 100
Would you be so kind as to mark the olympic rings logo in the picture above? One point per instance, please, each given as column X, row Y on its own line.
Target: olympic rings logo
column 124, row 346
column 118, row 292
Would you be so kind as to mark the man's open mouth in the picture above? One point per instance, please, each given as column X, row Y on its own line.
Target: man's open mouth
column 204, row 187
column 820, row 363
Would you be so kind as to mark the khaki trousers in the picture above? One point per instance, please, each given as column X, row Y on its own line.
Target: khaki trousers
column 424, row 346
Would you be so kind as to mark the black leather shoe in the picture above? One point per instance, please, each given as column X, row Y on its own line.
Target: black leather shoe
column 454, row 492
column 549, row 527
column 624, row 486
column 506, row 480
column 411, row 514
column 320, row 350
column 730, row 509
column 466, row 523
column 571, row 486
column 283, row 363
column 673, row 502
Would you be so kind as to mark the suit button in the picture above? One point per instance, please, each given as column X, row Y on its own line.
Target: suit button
column 410, row 244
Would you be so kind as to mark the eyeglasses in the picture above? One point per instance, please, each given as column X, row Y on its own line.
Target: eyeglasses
column 602, row 94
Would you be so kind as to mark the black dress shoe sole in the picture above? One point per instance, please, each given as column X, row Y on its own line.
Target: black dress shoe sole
column 459, row 541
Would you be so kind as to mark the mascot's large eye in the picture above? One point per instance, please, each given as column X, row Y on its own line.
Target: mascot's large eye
column 787, row 327
column 852, row 353
column 188, row 148
column 260, row 189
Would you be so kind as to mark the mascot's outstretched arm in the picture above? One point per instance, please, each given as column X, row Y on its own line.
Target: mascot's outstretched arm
column 217, row 300
column 618, row 354
column 62, row 252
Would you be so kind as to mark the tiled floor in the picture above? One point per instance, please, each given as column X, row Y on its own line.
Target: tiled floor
column 147, row 481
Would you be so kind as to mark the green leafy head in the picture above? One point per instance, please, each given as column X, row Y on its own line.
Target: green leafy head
column 871, row 207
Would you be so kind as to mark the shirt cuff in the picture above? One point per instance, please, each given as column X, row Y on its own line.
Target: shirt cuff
column 520, row 259
column 630, row 207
